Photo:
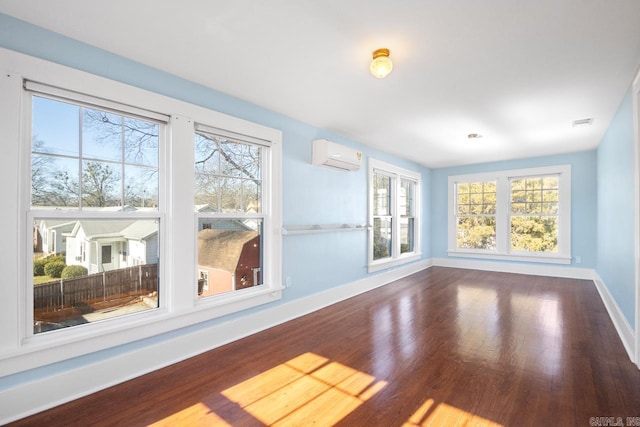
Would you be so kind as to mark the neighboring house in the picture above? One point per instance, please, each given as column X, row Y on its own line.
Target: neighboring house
column 224, row 223
column 109, row 245
column 228, row 259
column 49, row 235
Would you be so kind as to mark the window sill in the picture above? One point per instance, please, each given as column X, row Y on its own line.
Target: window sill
column 388, row 263
column 537, row 257
column 54, row 346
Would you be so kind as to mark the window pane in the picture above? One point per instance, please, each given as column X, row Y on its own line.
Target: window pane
column 406, row 235
column 476, row 232
column 101, row 185
column 517, row 196
column 86, row 270
column 207, row 155
column 534, row 233
column 476, row 198
column 141, row 187
column 229, row 255
column 207, row 193
column 382, row 236
column 55, row 127
column 141, row 142
column 406, row 197
column 101, row 135
column 550, row 196
column 106, row 144
column 251, row 196
column 239, row 159
column 463, row 210
column 227, row 175
column 54, row 181
column 230, row 195
column 550, row 182
column 381, row 194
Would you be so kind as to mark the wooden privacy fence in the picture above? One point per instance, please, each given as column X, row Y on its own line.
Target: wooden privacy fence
column 63, row 293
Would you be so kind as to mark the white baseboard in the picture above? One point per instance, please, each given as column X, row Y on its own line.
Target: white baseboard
column 42, row 393
column 625, row 332
column 515, row 267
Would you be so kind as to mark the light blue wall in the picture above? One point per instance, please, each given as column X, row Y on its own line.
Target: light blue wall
column 583, row 199
column 616, row 209
column 311, row 194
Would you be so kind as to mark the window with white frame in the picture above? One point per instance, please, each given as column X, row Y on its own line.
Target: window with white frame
column 518, row 214
column 394, row 236
column 106, row 251
column 94, row 180
column 228, row 204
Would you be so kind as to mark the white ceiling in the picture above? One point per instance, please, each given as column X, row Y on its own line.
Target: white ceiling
column 517, row 72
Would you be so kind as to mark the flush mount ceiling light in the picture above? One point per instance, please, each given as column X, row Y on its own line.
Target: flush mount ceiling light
column 381, row 64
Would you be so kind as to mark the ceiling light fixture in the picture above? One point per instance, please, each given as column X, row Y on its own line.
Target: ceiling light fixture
column 474, row 136
column 381, row 64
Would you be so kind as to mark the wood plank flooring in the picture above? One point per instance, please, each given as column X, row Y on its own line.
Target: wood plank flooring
column 442, row 347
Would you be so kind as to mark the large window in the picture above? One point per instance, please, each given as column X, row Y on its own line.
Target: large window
column 94, row 194
column 394, row 215
column 103, row 247
column 520, row 214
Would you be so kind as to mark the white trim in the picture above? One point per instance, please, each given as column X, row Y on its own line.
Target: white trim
column 63, row 95
column 385, row 263
column 625, row 332
column 635, row 94
column 45, row 392
column 514, row 256
column 518, row 268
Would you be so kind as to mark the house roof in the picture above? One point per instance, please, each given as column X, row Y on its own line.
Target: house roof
column 63, row 225
column 221, row 249
column 138, row 229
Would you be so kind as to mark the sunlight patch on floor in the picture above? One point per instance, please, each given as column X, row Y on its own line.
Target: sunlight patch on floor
column 305, row 390
column 445, row 415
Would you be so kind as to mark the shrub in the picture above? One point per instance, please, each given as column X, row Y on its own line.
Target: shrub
column 71, row 271
column 55, row 258
column 38, row 266
column 54, row 269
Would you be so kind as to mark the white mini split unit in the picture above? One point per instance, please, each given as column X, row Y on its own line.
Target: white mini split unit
column 336, row 156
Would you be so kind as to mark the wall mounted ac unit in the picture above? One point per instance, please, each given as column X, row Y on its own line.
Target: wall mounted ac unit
column 334, row 155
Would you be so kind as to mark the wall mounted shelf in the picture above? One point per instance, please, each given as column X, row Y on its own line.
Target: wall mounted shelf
column 322, row 228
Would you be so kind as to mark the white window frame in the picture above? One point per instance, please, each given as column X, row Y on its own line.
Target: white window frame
column 179, row 307
column 76, row 212
column 396, row 173
column 265, row 214
column 503, row 212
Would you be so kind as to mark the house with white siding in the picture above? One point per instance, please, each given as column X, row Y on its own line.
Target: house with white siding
column 109, row 245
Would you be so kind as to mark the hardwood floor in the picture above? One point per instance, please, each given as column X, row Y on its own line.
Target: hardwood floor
column 441, row 347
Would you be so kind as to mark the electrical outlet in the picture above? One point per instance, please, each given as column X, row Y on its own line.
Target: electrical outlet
column 287, row 282
column 578, row 259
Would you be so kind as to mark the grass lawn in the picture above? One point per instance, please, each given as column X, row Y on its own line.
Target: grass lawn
column 37, row 280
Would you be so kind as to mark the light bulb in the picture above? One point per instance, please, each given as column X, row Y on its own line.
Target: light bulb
column 381, row 64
